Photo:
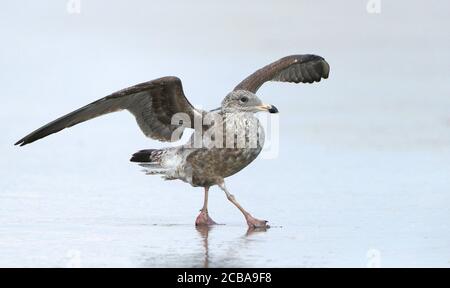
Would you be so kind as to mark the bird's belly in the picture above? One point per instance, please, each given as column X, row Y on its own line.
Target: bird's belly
column 218, row 163
column 235, row 160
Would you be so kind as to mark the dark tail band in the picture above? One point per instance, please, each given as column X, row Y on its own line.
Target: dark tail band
column 143, row 156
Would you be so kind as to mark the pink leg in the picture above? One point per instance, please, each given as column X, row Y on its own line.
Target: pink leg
column 251, row 221
column 203, row 218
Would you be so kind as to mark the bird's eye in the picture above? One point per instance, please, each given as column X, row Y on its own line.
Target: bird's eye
column 244, row 99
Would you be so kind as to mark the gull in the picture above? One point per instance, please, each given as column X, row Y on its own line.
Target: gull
column 163, row 112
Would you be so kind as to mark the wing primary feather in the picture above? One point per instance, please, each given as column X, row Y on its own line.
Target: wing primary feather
column 306, row 68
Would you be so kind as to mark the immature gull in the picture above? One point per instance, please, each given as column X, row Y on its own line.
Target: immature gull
column 163, row 112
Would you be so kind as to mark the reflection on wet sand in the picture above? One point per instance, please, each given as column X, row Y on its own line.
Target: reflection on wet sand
column 201, row 246
column 204, row 233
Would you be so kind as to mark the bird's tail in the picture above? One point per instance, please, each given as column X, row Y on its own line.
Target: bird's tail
column 150, row 159
column 147, row 156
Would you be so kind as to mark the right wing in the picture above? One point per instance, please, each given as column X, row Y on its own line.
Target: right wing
column 153, row 103
column 305, row 68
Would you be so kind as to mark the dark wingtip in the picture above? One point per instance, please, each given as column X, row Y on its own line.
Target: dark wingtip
column 321, row 66
column 325, row 69
column 21, row 142
column 24, row 141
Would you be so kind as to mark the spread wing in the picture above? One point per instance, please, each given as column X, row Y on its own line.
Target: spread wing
column 152, row 103
column 295, row 68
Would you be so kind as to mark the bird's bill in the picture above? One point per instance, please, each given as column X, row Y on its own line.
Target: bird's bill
column 268, row 108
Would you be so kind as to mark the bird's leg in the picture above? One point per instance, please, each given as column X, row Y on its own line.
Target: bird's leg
column 203, row 218
column 251, row 221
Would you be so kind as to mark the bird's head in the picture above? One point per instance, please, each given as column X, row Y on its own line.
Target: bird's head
column 245, row 101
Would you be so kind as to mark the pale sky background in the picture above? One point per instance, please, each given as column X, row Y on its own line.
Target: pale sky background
column 364, row 157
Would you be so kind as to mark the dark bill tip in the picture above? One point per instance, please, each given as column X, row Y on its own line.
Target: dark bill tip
column 273, row 109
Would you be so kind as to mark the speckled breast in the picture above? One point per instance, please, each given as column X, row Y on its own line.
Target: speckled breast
column 211, row 165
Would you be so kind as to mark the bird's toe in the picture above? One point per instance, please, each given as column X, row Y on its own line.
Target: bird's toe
column 203, row 219
column 256, row 223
